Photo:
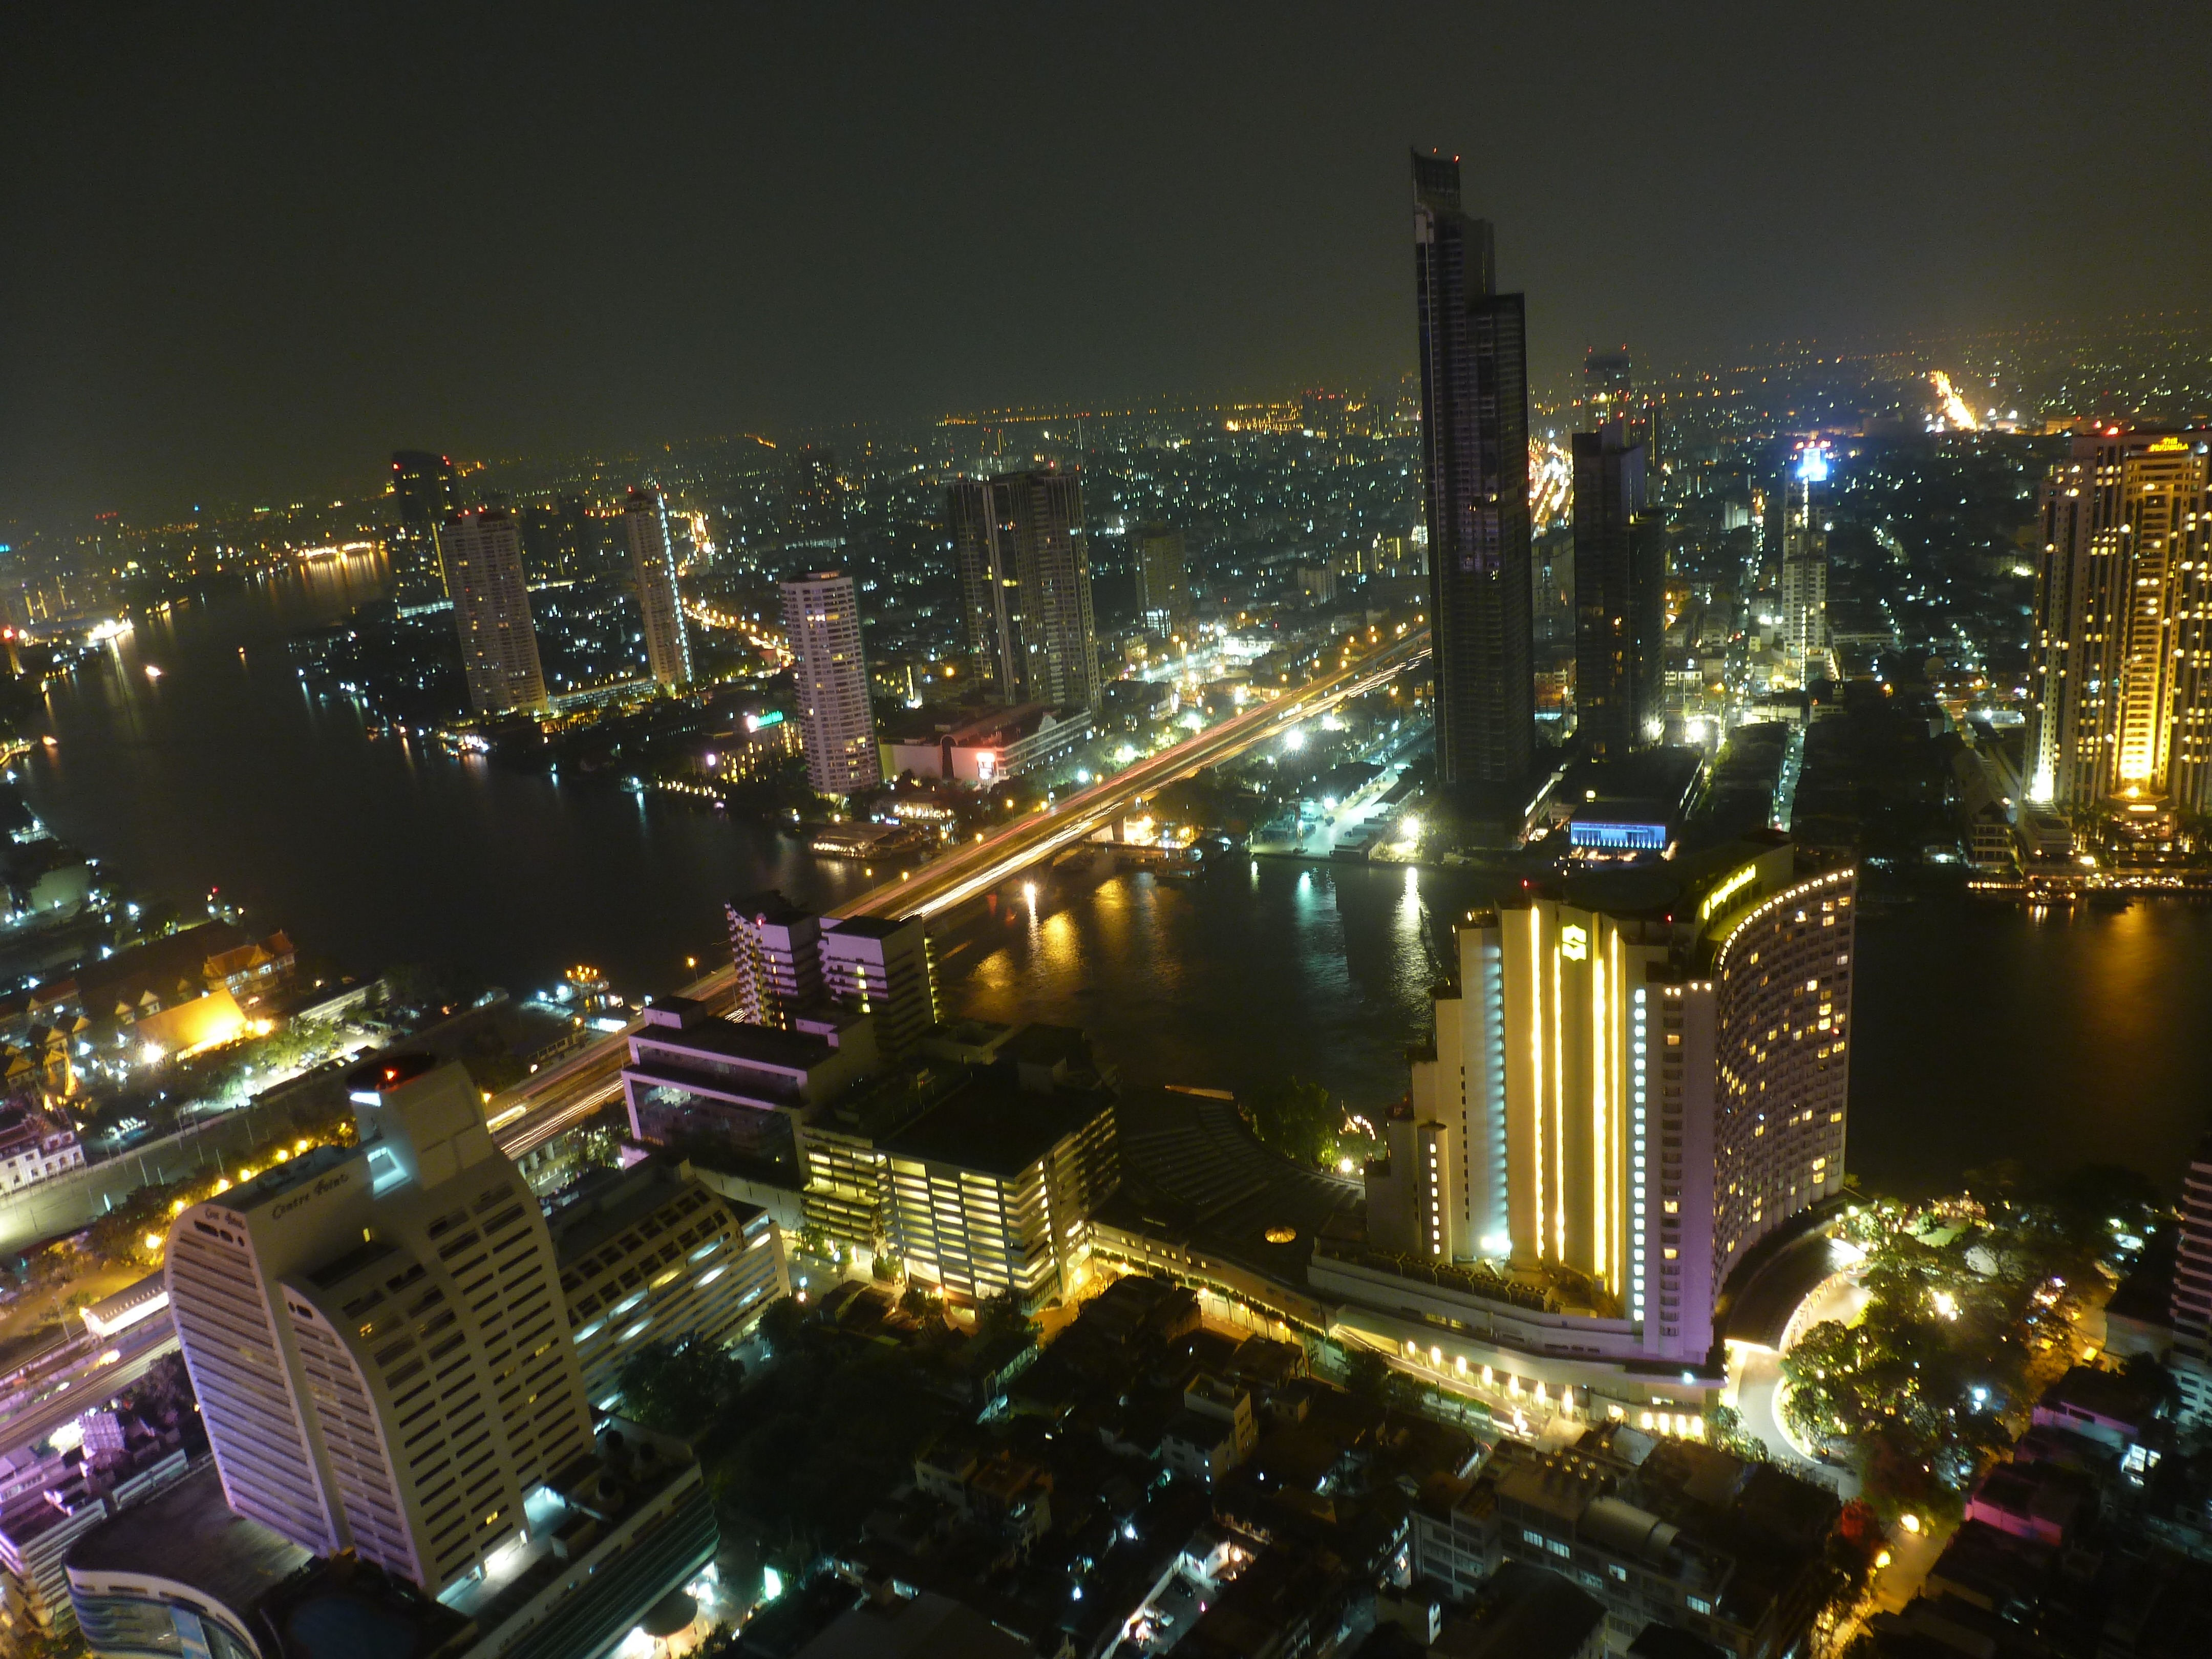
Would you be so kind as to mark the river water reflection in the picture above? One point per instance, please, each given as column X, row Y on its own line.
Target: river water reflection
column 1982, row 1032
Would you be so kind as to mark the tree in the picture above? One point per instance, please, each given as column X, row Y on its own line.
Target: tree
column 780, row 1327
column 919, row 1302
column 1004, row 1314
column 1367, row 1373
column 680, row 1389
column 1297, row 1119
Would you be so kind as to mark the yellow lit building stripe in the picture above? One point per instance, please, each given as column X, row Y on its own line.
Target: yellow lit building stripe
column 1559, row 1117
column 1601, row 1236
column 1536, row 1062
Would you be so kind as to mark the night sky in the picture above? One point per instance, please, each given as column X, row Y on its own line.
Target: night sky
column 247, row 251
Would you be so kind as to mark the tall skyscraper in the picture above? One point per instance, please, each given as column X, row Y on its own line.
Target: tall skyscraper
column 1162, row 578
column 422, row 493
column 2121, row 657
column 1623, row 1098
column 836, row 722
column 1025, row 586
column 1805, row 566
column 1474, row 455
column 483, row 556
column 660, row 607
column 377, row 1336
column 1620, row 597
column 421, row 488
column 814, row 509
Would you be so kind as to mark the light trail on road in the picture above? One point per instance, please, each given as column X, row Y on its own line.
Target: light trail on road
column 571, row 1093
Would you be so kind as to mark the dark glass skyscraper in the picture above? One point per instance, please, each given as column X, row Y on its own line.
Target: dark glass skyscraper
column 1474, row 452
column 1025, row 586
column 422, row 493
column 422, row 488
column 1620, row 597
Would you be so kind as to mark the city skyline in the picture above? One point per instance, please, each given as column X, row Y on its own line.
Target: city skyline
column 1527, row 993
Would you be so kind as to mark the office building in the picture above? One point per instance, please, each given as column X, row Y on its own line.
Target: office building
column 776, row 949
column 814, row 508
column 1002, row 743
column 837, row 721
column 2191, row 1308
column 422, row 493
column 1162, row 579
column 884, row 969
column 1474, row 461
column 992, row 1185
column 1024, row 569
column 659, row 606
column 1631, row 1085
column 1805, row 567
column 650, row 1254
column 422, row 489
column 482, row 553
column 795, row 968
column 696, row 1079
column 1621, row 598
column 2120, row 671
column 406, row 1280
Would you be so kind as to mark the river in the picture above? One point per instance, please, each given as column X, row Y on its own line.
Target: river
column 1983, row 1032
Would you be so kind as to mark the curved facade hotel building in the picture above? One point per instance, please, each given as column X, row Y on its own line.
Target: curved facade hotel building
column 1634, row 1080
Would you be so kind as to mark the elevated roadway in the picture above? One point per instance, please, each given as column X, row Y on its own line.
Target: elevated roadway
column 526, row 1118
column 965, row 872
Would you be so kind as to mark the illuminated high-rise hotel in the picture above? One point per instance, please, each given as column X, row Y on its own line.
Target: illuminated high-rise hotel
column 2120, row 672
column 377, row 1337
column 1626, row 1096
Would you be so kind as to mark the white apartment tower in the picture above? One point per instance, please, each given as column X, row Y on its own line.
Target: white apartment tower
column 836, row 726
column 660, row 607
column 482, row 553
column 378, row 1337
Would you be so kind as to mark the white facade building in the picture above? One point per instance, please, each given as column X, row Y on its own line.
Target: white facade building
column 836, row 726
column 378, row 1338
column 482, row 552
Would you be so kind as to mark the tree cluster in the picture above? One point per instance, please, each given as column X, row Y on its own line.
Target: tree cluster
column 680, row 1389
column 1297, row 1119
column 1970, row 1314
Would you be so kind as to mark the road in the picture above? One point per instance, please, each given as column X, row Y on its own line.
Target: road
column 89, row 1384
column 966, row 872
column 526, row 1118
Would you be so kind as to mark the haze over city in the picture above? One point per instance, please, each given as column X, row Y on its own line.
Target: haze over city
column 1203, row 832
column 248, row 250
